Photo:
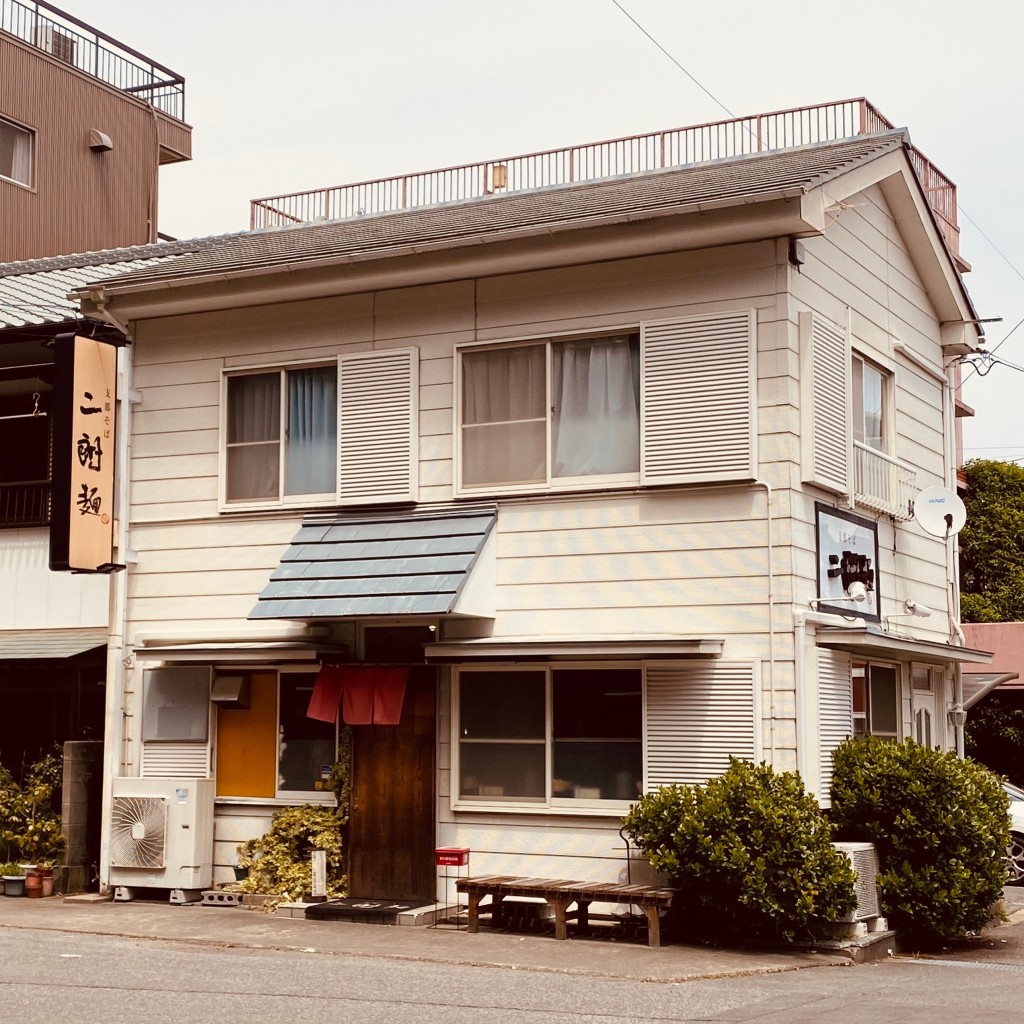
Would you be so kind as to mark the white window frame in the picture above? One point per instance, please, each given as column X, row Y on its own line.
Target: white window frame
column 282, row 500
column 297, row 796
column 866, row 717
column 30, row 137
column 550, row 482
column 550, row 804
column 888, row 379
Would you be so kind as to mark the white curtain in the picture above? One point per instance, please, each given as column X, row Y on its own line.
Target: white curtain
column 254, row 435
column 504, row 415
column 596, row 399
column 312, row 444
column 15, row 153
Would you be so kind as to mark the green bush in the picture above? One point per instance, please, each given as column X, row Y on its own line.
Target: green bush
column 750, row 853
column 279, row 862
column 940, row 825
column 30, row 827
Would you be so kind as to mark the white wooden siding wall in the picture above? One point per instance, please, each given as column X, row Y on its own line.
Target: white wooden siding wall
column 835, row 712
column 861, row 268
column 698, row 715
column 197, row 569
column 36, row 598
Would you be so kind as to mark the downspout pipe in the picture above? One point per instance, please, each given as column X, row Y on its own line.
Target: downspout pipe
column 770, row 548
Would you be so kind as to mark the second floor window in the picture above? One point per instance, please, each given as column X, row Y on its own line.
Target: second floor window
column 15, row 153
column 870, row 388
column 281, row 431
column 551, row 411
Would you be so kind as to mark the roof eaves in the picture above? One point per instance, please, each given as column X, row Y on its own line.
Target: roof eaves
column 130, row 287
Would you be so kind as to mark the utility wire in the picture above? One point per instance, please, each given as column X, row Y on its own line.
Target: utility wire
column 671, row 58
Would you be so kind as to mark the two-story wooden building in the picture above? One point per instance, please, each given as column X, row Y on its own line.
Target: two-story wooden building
column 553, row 492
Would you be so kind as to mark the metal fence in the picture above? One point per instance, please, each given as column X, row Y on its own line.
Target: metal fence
column 97, row 54
column 780, row 129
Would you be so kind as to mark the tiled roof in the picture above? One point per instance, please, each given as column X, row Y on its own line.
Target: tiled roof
column 400, row 565
column 34, row 292
column 743, row 179
column 49, row 643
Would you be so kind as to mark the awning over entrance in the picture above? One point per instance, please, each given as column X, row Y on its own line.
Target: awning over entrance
column 32, row 644
column 872, row 642
column 547, row 648
column 981, row 684
column 409, row 565
column 240, row 651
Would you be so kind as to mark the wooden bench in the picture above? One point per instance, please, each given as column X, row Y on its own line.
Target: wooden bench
column 559, row 894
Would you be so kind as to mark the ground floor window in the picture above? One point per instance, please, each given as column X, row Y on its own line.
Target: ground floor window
column 271, row 749
column 876, row 700
column 549, row 735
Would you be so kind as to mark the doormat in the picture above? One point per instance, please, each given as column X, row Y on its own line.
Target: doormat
column 366, row 911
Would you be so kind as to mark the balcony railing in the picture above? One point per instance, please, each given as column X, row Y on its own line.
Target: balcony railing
column 677, row 147
column 883, row 483
column 95, row 53
column 25, row 504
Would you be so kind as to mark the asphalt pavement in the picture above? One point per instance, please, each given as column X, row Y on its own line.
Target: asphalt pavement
column 228, row 927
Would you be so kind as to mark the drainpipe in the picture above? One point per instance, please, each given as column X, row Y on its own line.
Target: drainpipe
column 771, row 619
column 117, row 660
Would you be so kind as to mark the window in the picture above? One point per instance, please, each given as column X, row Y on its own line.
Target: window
column 549, row 736
column 876, row 700
column 15, row 153
column 271, row 749
column 870, row 395
column 551, row 411
column 281, row 434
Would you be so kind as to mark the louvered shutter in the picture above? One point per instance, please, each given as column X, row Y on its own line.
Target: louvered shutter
column 377, row 427
column 835, row 712
column 697, row 717
column 826, row 423
column 175, row 761
column 699, row 399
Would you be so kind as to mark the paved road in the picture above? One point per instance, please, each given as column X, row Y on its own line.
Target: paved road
column 48, row 976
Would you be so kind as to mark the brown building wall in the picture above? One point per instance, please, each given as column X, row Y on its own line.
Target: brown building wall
column 80, row 200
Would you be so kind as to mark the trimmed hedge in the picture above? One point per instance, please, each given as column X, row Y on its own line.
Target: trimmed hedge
column 940, row 824
column 750, row 853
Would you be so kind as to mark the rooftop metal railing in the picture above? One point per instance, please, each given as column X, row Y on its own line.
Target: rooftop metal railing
column 676, row 147
column 94, row 52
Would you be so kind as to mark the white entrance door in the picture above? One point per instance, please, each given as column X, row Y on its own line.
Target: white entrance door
column 924, row 683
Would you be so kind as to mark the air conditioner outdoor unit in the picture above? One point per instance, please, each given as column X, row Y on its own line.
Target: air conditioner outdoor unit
column 161, row 834
column 864, row 862
column 60, row 44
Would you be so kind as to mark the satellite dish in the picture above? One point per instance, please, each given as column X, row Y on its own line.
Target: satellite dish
column 940, row 512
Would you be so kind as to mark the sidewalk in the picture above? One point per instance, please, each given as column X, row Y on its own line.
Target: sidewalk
column 194, row 924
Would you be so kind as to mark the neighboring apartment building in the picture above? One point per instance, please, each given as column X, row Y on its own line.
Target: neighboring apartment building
column 552, row 496
column 85, row 123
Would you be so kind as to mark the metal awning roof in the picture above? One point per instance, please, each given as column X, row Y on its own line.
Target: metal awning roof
column 872, row 642
column 521, row 648
column 44, row 644
column 248, row 651
column 372, row 566
column 981, row 684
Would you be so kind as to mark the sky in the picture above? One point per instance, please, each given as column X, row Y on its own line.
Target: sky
column 302, row 94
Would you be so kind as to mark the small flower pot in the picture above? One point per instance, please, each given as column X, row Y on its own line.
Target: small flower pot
column 241, row 874
column 33, row 884
column 14, row 885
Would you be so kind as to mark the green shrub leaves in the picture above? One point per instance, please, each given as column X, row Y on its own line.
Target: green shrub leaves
column 750, row 853
column 941, row 827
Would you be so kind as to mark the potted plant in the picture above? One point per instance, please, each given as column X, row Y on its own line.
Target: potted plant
column 14, row 879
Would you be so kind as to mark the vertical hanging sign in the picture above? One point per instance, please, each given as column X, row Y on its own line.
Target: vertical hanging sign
column 82, row 498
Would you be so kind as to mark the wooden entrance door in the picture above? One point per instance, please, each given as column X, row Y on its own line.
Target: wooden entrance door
column 391, row 825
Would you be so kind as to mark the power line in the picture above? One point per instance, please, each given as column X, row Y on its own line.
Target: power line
column 671, row 58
